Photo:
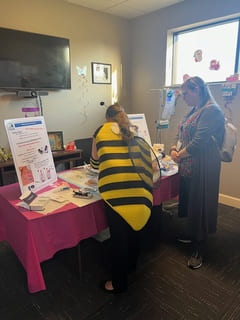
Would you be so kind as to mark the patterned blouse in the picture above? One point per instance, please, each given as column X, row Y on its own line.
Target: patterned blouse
column 184, row 135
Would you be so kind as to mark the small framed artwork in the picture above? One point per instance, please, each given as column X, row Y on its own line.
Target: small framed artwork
column 56, row 140
column 101, row 73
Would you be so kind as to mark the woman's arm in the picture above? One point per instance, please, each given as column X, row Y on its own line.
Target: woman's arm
column 174, row 153
column 210, row 121
column 182, row 154
column 94, row 156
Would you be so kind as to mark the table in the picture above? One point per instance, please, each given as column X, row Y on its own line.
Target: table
column 35, row 237
column 7, row 167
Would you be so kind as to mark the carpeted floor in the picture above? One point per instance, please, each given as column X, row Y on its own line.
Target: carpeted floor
column 162, row 288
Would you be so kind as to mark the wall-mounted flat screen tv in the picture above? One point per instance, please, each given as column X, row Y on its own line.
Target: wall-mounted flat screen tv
column 33, row 61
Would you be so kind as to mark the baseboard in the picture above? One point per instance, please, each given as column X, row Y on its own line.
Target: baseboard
column 229, row 201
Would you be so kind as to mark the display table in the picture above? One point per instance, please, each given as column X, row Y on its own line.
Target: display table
column 7, row 167
column 35, row 237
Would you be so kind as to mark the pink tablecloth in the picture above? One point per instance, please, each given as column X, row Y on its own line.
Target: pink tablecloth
column 167, row 190
column 36, row 238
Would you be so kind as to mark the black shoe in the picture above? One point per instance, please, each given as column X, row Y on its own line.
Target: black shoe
column 184, row 239
column 195, row 262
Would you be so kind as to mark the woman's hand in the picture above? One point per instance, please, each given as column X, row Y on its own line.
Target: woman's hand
column 177, row 155
column 155, row 165
column 183, row 153
column 174, row 155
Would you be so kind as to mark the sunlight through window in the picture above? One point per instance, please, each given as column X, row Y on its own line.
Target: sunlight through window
column 210, row 52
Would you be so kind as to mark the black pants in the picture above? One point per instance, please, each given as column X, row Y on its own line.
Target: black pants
column 124, row 249
column 184, row 190
column 185, row 184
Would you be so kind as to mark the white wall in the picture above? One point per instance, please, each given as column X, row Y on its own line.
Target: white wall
column 149, row 39
column 93, row 36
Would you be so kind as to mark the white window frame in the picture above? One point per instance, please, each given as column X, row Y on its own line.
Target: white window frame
column 172, row 34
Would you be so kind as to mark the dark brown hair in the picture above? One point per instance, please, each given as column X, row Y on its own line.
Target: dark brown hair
column 196, row 82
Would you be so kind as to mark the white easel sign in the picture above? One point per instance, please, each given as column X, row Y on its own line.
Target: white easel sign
column 139, row 121
column 31, row 152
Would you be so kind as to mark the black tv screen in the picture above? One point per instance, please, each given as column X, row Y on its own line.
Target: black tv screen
column 33, row 61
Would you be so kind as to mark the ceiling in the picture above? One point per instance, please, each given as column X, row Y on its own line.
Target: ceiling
column 128, row 9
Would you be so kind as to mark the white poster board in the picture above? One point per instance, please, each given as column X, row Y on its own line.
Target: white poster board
column 31, row 152
column 139, row 121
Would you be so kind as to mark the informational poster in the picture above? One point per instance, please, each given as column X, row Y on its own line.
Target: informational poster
column 139, row 121
column 31, row 152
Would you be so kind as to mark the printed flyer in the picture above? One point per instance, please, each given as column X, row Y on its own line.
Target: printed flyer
column 139, row 121
column 31, row 152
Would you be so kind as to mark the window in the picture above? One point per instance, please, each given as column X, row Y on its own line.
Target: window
column 210, row 52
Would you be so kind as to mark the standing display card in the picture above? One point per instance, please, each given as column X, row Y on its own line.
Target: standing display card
column 31, row 152
column 140, row 122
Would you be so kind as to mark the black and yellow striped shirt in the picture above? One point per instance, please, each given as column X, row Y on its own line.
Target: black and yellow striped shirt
column 119, row 183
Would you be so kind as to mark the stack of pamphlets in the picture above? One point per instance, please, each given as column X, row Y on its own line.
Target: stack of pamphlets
column 33, row 202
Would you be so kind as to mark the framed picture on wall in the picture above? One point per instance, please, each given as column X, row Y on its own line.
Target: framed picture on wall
column 101, row 73
column 56, row 140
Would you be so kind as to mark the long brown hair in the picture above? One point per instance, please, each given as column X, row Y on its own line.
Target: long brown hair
column 196, row 82
column 117, row 114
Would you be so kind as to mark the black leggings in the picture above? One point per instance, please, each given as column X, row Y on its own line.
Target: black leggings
column 124, row 249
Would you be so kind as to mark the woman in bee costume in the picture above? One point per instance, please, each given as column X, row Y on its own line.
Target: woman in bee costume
column 125, row 184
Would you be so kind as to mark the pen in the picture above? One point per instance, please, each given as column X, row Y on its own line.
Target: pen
column 64, row 188
column 61, row 189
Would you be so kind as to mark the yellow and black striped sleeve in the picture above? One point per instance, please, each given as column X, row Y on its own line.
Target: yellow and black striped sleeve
column 94, row 163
